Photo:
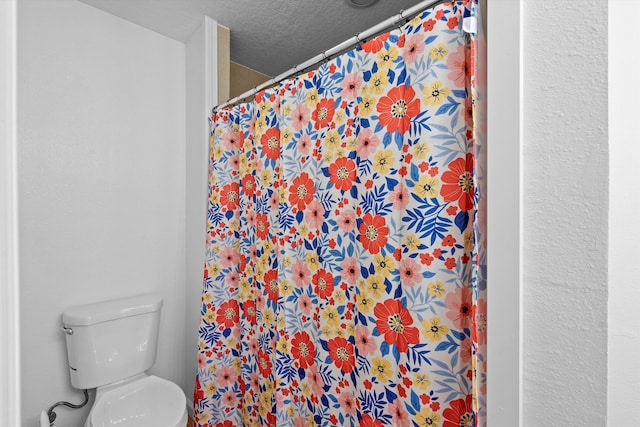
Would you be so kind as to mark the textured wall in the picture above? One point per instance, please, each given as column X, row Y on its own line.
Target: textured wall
column 624, row 253
column 101, row 164
column 565, row 212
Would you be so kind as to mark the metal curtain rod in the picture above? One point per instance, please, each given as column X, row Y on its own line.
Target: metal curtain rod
column 327, row 54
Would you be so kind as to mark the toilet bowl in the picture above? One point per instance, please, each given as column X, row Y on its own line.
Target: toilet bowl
column 110, row 346
column 144, row 401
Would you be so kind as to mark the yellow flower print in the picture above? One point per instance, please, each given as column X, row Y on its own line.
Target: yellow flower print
column 210, row 389
column 427, row 418
column 422, row 381
column 283, row 346
column 427, row 187
column 268, row 247
column 364, row 302
column 248, row 145
column 283, row 195
column 234, row 224
column 375, row 285
column 386, row 57
column 420, row 150
column 437, row 289
column 326, row 331
column 214, row 198
column 286, row 110
column 339, row 296
column 286, row 135
column 365, row 106
column 469, row 240
column 218, row 151
column 351, row 144
column 379, row 82
column 339, row 332
column 412, row 242
column 339, row 117
column 312, row 261
column 438, row 52
column 285, row 287
column 231, row 342
column 209, row 316
column 280, row 321
column 332, row 140
column 312, row 98
column 433, row 329
column 383, row 264
column 331, row 316
column 305, row 388
column 264, row 107
column 265, row 177
column 304, row 229
column 214, row 269
column 261, row 125
column 290, row 411
column 202, row 344
column 207, row 297
column 435, row 94
column 381, row 368
column 268, row 317
column 286, row 262
column 382, row 161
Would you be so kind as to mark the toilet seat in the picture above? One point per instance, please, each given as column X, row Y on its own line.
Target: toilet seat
column 145, row 401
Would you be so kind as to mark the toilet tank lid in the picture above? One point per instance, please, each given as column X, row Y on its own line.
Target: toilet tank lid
column 90, row 314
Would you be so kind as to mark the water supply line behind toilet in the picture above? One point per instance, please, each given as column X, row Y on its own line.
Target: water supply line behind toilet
column 48, row 418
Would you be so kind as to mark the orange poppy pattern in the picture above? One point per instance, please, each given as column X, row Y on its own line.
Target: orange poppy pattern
column 344, row 282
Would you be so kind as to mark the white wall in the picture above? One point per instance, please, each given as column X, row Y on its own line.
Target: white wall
column 565, row 212
column 101, row 157
column 624, row 205
column 201, row 65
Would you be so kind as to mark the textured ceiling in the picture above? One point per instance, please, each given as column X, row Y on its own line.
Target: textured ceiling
column 270, row 36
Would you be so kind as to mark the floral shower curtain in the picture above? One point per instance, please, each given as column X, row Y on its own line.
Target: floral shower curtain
column 345, row 270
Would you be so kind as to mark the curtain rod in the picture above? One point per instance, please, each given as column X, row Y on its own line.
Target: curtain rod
column 328, row 54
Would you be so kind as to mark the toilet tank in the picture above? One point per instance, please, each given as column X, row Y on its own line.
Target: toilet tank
column 111, row 340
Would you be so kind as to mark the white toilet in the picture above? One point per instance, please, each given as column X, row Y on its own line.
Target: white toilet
column 110, row 345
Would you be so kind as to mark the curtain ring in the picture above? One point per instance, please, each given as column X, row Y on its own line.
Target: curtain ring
column 324, row 55
column 358, row 37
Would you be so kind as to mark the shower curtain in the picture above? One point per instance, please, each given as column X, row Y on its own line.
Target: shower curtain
column 344, row 281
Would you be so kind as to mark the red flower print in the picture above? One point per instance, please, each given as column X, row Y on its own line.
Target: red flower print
column 228, row 313
column 342, row 173
column 301, row 191
column 460, row 306
column 459, row 413
column 428, row 24
column 303, row 349
column 394, row 322
column 270, row 141
column 397, row 108
column 452, row 23
column 226, row 423
column 448, row 240
column 341, row 352
column 410, row 274
column 230, row 195
column 458, row 183
column 323, row 283
column 374, row 45
column 249, row 309
column 264, row 363
column 373, row 233
column 367, row 421
column 440, row 14
column 249, row 185
column 450, row 263
column 323, row 113
column 271, row 285
column 262, row 226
